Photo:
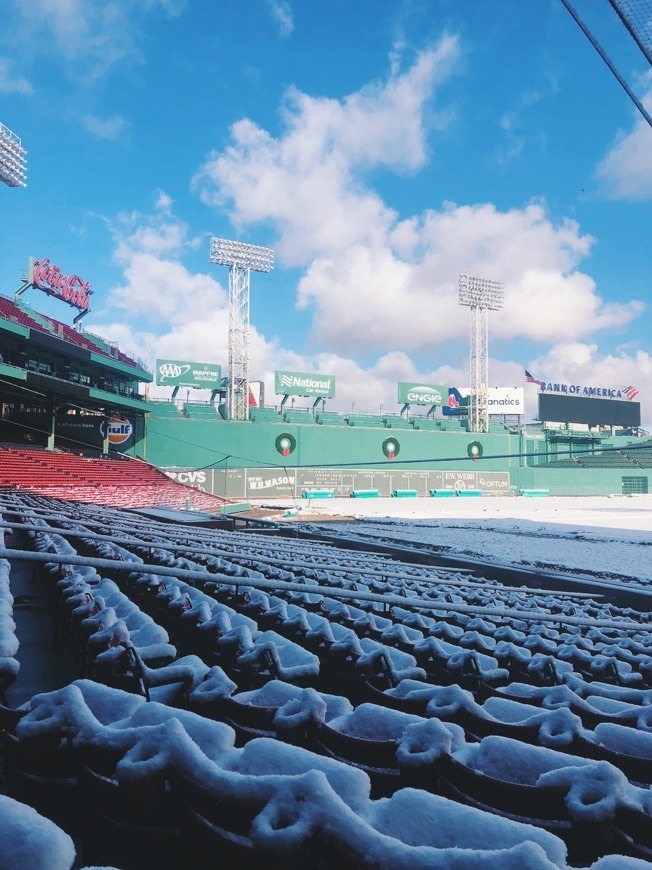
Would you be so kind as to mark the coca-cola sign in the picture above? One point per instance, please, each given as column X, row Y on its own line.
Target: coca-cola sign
column 70, row 288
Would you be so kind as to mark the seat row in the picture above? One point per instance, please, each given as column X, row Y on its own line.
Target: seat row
column 169, row 784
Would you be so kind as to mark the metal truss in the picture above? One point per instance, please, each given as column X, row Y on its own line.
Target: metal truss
column 241, row 259
column 238, row 388
column 480, row 295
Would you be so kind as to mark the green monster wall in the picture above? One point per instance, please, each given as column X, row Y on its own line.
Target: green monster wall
column 196, row 444
column 243, row 459
column 280, row 459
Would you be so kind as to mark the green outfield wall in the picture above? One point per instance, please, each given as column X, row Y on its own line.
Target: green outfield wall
column 272, row 460
column 279, row 459
column 189, row 443
column 583, row 481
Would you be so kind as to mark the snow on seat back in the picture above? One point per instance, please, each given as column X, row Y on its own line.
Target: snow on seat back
column 403, row 665
column 264, row 756
column 373, row 722
column 345, row 639
column 421, row 819
column 631, row 694
column 319, row 628
column 291, row 660
column 624, row 740
column 557, row 728
column 210, row 736
column 297, row 617
column 401, row 633
column 514, row 761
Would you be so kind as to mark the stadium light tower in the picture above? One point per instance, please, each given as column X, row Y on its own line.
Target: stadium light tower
column 241, row 259
column 481, row 295
column 12, row 159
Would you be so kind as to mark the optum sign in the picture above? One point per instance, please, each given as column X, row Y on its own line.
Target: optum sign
column 422, row 394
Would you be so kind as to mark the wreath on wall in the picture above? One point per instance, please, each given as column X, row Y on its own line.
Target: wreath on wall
column 474, row 450
column 286, row 444
column 391, row 447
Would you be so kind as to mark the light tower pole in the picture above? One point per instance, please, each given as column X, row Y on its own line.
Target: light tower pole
column 12, row 159
column 481, row 295
column 241, row 259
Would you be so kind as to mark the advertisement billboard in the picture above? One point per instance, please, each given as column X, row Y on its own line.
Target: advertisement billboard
column 422, row 394
column 500, row 400
column 292, row 482
column 626, row 392
column 90, row 430
column 181, row 373
column 72, row 289
column 304, row 384
column 593, row 412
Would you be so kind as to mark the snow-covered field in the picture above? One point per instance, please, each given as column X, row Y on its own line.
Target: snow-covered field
column 607, row 537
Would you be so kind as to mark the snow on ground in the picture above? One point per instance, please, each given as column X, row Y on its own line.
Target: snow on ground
column 603, row 536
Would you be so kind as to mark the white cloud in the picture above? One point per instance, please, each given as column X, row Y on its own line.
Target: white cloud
column 164, row 203
column 282, row 14
column 377, row 299
column 379, row 286
column 108, row 128
column 10, row 83
column 176, row 313
column 626, row 171
column 304, row 181
column 374, row 281
column 89, row 36
column 158, row 288
column 512, row 123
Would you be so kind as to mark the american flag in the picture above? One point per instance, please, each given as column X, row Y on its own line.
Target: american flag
column 630, row 392
column 530, row 379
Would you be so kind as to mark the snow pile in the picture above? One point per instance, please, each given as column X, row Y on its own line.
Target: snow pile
column 30, row 841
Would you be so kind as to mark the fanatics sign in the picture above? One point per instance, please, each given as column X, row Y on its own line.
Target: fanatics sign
column 500, row 400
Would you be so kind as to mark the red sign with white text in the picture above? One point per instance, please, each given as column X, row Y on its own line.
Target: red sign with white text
column 70, row 288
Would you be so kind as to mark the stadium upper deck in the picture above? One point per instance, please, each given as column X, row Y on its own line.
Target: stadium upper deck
column 32, row 320
column 50, row 370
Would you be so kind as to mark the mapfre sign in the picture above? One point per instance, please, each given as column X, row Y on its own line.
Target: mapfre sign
column 70, row 288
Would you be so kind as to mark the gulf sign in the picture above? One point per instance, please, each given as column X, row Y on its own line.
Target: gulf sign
column 422, row 394
column 69, row 288
column 119, row 431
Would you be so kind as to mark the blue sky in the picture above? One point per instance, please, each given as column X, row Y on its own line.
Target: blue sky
column 381, row 148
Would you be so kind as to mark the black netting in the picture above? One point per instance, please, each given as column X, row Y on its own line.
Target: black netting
column 636, row 15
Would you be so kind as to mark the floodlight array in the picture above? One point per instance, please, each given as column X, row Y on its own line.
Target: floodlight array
column 481, row 292
column 224, row 252
column 12, row 159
